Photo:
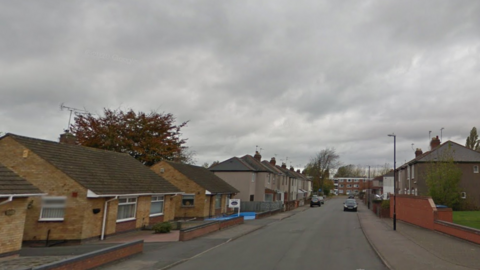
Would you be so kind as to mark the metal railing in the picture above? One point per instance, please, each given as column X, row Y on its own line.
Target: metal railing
column 260, row 206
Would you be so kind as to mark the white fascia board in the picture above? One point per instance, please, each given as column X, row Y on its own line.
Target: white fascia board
column 22, row 195
column 91, row 194
column 207, row 192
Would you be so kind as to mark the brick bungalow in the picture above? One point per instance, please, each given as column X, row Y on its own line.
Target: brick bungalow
column 15, row 194
column 91, row 193
column 206, row 195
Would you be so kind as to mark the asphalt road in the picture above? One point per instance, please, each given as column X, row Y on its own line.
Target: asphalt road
column 318, row 238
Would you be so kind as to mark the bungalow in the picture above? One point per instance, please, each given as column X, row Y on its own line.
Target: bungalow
column 91, row 193
column 15, row 192
column 206, row 195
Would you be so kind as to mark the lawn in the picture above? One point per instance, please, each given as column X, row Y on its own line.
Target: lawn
column 467, row 218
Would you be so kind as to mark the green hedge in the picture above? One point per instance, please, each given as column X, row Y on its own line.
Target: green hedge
column 162, row 227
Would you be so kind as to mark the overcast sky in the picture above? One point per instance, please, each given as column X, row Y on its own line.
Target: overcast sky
column 293, row 77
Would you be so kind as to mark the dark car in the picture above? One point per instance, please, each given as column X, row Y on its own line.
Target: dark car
column 315, row 201
column 351, row 196
column 350, row 205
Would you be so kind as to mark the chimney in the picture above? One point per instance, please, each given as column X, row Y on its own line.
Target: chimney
column 434, row 143
column 292, row 169
column 298, row 171
column 68, row 138
column 273, row 161
column 418, row 152
column 284, row 165
column 257, row 156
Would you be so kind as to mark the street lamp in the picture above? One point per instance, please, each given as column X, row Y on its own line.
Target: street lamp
column 394, row 181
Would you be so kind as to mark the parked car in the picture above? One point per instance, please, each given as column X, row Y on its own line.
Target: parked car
column 350, row 205
column 351, row 196
column 315, row 201
column 322, row 200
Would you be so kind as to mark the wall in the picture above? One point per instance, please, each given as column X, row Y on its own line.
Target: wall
column 49, row 180
column 466, row 233
column 11, row 232
column 97, row 258
column 417, row 210
column 194, row 232
column 242, row 181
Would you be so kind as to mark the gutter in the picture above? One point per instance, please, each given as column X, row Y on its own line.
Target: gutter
column 7, row 201
column 105, row 216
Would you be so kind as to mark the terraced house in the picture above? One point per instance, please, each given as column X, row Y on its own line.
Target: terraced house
column 89, row 193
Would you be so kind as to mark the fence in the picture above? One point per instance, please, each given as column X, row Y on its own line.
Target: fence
column 260, row 206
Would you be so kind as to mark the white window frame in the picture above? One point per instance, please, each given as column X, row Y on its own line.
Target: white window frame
column 253, row 177
column 160, row 199
column 186, row 205
column 268, row 178
column 463, row 195
column 340, row 180
column 355, row 180
column 349, row 185
column 475, row 168
column 413, row 171
column 355, row 186
column 341, row 185
column 127, row 201
column 349, row 180
column 61, row 204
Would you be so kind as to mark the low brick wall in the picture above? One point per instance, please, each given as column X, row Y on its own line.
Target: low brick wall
column 197, row 231
column 466, row 233
column 96, row 258
column 268, row 213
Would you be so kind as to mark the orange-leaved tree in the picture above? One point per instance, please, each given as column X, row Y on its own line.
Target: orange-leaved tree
column 149, row 138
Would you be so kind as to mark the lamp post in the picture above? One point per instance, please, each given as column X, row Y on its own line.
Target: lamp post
column 394, row 181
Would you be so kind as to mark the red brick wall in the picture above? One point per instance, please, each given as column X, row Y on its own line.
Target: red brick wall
column 466, row 233
column 125, row 226
column 99, row 258
column 231, row 222
column 414, row 209
column 444, row 214
column 155, row 220
column 194, row 233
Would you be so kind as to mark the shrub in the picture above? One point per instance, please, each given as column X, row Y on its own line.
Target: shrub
column 162, row 227
column 386, row 204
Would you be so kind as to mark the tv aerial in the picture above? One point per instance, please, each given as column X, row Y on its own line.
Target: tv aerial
column 72, row 110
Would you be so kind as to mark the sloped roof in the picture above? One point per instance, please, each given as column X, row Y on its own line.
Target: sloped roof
column 103, row 172
column 256, row 164
column 272, row 167
column 204, row 178
column 12, row 184
column 459, row 152
column 232, row 165
column 289, row 173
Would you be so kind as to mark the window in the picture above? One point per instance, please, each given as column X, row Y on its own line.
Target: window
column 475, row 168
column 413, row 171
column 127, row 208
column 349, row 186
column 53, row 208
column 341, row 185
column 408, row 172
column 463, row 195
column 355, row 180
column 253, row 177
column 218, row 201
column 355, row 185
column 251, row 198
column 349, row 180
column 188, row 200
column 340, row 180
column 268, row 178
column 156, row 205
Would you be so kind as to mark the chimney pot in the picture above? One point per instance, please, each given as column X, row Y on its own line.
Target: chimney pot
column 257, row 156
column 434, row 142
column 418, row 152
column 68, row 138
column 284, row 165
column 273, row 161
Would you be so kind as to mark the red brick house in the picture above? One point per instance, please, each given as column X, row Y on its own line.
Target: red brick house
column 411, row 175
column 206, row 195
column 15, row 194
column 90, row 193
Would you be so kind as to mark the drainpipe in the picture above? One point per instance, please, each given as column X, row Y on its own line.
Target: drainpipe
column 105, row 216
column 10, row 198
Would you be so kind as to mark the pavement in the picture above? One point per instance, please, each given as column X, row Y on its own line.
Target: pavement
column 409, row 247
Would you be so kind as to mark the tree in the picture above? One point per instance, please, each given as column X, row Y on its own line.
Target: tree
column 350, row 171
column 320, row 165
column 443, row 178
column 472, row 140
column 149, row 138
